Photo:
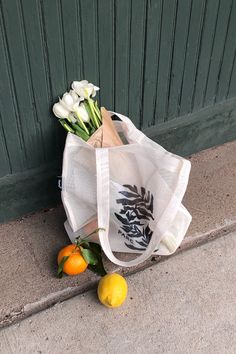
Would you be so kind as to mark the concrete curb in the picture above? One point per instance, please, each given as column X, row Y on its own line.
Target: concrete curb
column 59, row 296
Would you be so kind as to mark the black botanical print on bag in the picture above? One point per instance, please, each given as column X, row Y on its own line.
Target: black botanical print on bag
column 135, row 214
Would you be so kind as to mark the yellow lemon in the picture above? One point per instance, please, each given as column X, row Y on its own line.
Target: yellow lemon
column 112, row 290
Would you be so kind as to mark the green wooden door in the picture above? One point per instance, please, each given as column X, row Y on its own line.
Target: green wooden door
column 167, row 64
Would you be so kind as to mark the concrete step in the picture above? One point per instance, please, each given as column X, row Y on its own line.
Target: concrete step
column 29, row 246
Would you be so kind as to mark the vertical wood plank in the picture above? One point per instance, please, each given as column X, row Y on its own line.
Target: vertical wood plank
column 54, row 50
column 72, row 40
column 106, row 53
column 228, row 57
column 217, row 51
column 137, row 53
column 165, row 58
column 5, row 162
column 89, row 29
column 51, row 12
column 154, row 13
column 29, row 121
column 122, row 45
column 41, row 91
column 13, row 147
column 194, row 38
column 178, row 60
column 205, row 52
column 232, row 82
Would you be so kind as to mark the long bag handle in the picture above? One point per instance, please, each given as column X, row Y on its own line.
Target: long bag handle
column 103, row 213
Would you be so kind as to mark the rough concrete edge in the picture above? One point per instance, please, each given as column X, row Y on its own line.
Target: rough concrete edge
column 65, row 294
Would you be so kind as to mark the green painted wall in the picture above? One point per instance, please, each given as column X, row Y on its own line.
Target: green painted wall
column 167, row 64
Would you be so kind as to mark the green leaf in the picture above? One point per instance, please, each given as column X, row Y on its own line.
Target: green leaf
column 92, row 253
column 80, row 132
column 92, row 131
column 89, row 256
column 86, row 106
column 66, row 126
column 61, row 265
column 99, row 267
column 96, row 248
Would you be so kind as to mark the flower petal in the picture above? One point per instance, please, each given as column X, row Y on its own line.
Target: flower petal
column 74, row 96
column 67, row 100
column 82, row 112
column 60, row 111
column 84, row 89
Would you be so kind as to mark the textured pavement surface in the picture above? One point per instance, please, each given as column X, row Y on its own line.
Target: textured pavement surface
column 184, row 305
column 211, row 197
column 29, row 245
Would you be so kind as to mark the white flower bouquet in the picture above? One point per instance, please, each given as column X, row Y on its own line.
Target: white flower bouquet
column 79, row 114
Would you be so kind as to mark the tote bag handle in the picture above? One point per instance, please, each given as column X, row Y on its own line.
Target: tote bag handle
column 134, row 133
column 103, row 213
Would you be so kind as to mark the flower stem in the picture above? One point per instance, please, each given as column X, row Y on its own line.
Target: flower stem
column 80, row 132
column 89, row 123
column 66, row 126
column 79, row 240
column 97, row 110
column 82, row 123
column 88, row 109
column 91, row 106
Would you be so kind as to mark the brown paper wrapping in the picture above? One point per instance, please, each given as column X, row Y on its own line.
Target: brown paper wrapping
column 106, row 135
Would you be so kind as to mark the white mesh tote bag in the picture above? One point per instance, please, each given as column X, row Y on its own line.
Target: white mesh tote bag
column 133, row 191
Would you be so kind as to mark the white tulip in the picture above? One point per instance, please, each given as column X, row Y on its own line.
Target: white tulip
column 60, row 111
column 82, row 113
column 84, row 89
column 76, row 98
column 69, row 100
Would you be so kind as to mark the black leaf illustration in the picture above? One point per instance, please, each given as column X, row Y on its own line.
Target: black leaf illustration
column 143, row 191
column 128, row 194
column 151, row 204
column 139, row 215
column 123, row 220
column 128, row 202
column 137, row 211
column 136, row 222
column 132, row 217
column 131, row 188
column 132, row 247
column 127, row 228
column 145, row 213
column 142, row 244
column 147, row 234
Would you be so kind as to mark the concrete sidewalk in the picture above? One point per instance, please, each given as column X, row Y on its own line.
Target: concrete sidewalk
column 185, row 305
column 29, row 246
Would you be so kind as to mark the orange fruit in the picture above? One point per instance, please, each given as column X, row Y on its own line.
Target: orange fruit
column 75, row 264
